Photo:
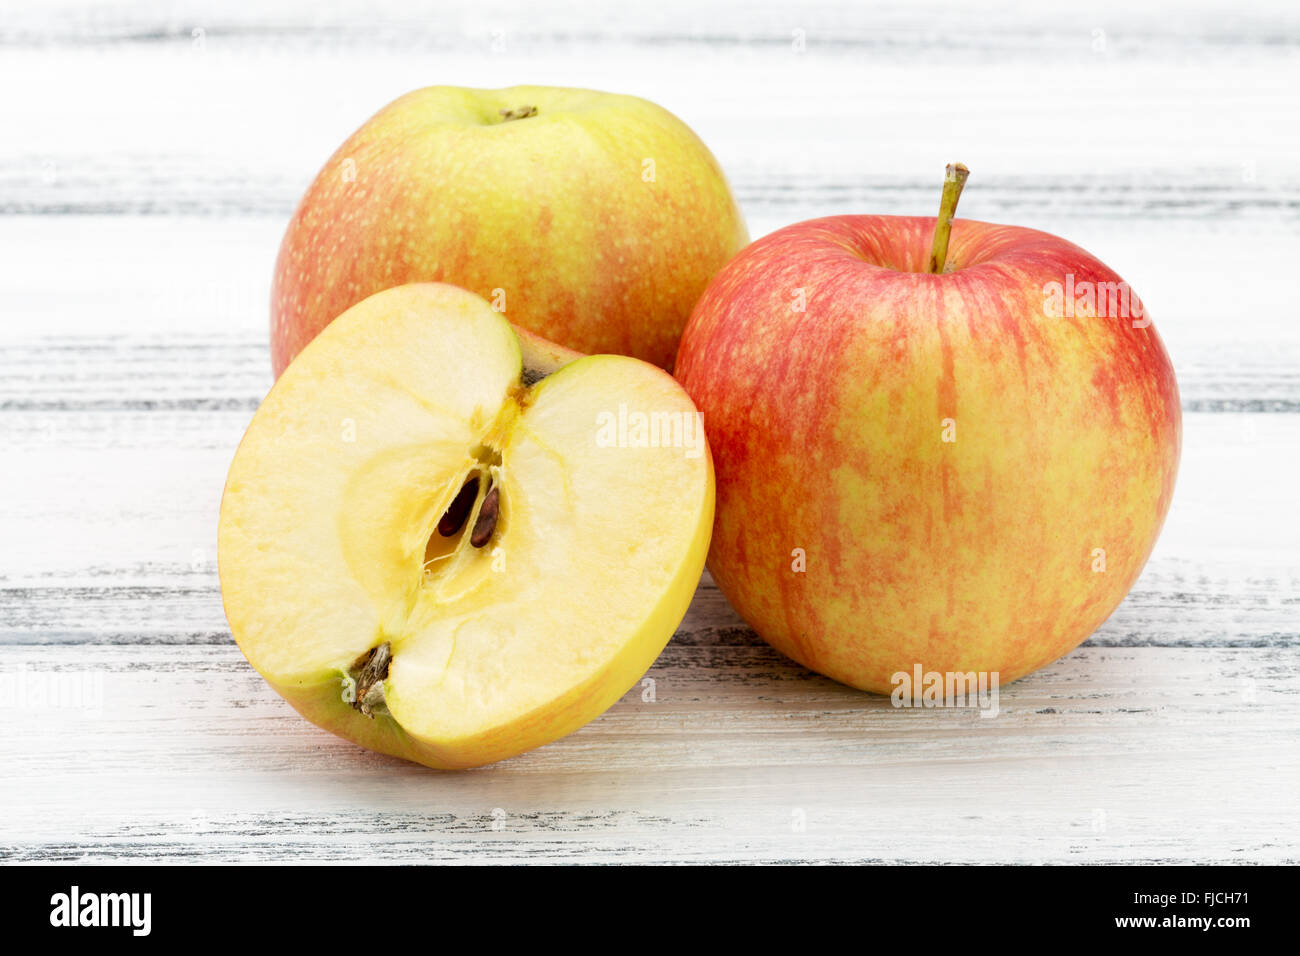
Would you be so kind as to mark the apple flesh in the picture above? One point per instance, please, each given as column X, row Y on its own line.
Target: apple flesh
column 592, row 219
column 426, row 548
column 919, row 468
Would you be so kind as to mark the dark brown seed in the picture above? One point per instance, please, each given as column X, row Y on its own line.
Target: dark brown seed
column 458, row 510
column 486, row 522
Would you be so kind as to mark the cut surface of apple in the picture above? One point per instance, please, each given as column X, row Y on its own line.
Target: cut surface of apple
column 437, row 540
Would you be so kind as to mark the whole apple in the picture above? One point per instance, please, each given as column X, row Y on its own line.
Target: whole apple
column 592, row 219
column 953, row 454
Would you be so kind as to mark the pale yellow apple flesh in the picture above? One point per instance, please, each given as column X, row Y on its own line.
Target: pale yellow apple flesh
column 343, row 593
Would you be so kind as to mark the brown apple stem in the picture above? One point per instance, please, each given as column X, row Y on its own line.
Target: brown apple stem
column 953, row 180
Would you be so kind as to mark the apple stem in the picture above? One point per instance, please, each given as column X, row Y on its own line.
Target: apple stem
column 953, row 180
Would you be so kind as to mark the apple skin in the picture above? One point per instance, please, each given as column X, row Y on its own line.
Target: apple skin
column 827, row 431
column 543, row 357
column 554, row 209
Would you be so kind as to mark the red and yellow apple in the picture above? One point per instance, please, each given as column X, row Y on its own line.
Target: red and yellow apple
column 440, row 539
column 592, row 219
column 963, row 466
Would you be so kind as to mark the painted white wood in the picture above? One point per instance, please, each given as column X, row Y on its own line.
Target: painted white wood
column 1152, row 754
column 146, row 173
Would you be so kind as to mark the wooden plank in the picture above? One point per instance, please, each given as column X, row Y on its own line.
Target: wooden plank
column 906, row 27
column 71, row 382
column 1146, row 116
column 123, row 320
column 1133, row 754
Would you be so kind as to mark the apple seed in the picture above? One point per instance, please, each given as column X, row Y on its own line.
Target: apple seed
column 454, row 518
column 486, row 523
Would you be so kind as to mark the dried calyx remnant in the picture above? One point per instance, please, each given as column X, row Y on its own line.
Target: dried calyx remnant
column 369, row 671
column 519, row 112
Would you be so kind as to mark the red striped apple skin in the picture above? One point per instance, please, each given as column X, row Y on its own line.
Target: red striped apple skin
column 595, row 222
column 999, row 550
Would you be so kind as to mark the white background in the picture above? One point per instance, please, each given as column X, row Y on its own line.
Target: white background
column 150, row 155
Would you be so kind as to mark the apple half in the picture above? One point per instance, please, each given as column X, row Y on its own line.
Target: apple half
column 434, row 542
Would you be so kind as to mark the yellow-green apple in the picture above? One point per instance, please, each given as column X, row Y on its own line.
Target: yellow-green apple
column 435, row 542
column 962, row 466
column 592, row 219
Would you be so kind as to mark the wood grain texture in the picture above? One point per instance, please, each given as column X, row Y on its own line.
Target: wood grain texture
column 1110, row 754
column 152, row 154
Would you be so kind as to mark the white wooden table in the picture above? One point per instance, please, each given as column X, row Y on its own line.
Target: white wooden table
column 150, row 156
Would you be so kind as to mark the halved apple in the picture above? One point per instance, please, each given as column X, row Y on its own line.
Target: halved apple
column 451, row 541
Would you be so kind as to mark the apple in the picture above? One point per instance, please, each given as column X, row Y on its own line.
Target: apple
column 942, row 443
column 592, row 219
column 435, row 542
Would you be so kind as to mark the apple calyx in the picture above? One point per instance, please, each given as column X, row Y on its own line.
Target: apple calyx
column 519, row 112
column 954, row 180
column 368, row 673
column 531, row 376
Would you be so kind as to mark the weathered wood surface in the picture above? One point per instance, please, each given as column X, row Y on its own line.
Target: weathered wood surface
column 151, row 154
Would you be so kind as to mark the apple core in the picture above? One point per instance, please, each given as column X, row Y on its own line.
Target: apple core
column 424, row 547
